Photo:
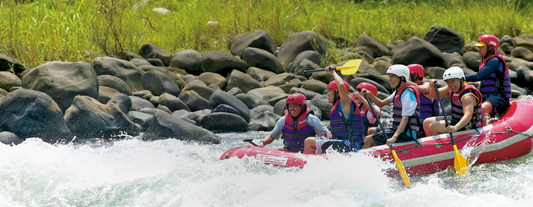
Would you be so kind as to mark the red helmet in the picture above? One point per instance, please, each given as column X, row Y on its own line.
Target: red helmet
column 296, row 98
column 416, row 69
column 368, row 87
column 333, row 86
column 485, row 40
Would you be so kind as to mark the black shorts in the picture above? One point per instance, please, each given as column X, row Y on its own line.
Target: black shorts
column 380, row 139
column 499, row 104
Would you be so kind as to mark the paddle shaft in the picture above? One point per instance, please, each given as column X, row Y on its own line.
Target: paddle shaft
column 377, row 120
column 443, row 112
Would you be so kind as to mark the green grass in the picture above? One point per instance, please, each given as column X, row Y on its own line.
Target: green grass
column 80, row 30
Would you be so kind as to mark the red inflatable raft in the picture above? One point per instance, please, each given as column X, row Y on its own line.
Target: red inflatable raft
column 507, row 138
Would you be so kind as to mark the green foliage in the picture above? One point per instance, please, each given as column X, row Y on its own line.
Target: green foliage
column 79, row 30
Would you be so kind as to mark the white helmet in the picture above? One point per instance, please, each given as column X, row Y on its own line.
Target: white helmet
column 453, row 72
column 399, row 70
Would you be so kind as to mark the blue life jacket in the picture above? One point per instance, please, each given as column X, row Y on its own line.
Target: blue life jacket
column 350, row 131
column 496, row 83
column 429, row 107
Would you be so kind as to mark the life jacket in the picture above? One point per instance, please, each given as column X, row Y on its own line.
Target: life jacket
column 496, row 83
column 366, row 122
column 414, row 122
column 350, row 131
column 457, row 106
column 294, row 137
column 429, row 107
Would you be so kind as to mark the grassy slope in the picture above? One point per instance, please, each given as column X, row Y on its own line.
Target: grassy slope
column 79, row 30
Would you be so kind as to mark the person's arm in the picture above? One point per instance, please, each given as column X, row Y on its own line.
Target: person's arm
column 443, row 91
column 275, row 134
column 468, row 103
column 492, row 65
column 320, row 129
column 362, row 99
column 343, row 94
column 399, row 130
column 424, row 88
column 380, row 103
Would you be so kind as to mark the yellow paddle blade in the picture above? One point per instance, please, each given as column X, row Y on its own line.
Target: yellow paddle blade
column 350, row 67
column 460, row 163
column 401, row 170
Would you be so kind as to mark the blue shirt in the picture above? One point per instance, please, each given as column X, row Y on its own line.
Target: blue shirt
column 492, row 65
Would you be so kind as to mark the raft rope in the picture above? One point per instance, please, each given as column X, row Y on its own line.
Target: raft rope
column 477, row 133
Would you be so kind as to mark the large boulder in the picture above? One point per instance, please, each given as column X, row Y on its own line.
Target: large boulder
column 242, row 81
column 189, row 60
column 123, row 102
column 256, row 39
column 255, row 57
column 223, row 122
column 172, row 102
column 271, row 91
column 194, row 100
column 163, row 126
column 106, row 93
column 297, row 43
column 122, row 69
column 63, row 81
column 10, row 138
column 114, row 82
column 151, row 51
column 377, row 48
column 445, row 39
column 88, row 118
column 321, row 102
column 213, row 78
column 222, row 97
column 8, row 64
column 259, row 74
column 280, row 79
column 158, row 83
column 265, row 121
column 221, row 63
column 472, row 60
column 8, row 80
column 419, row 51
column 29, row 113
column 199, row 87
column 138, row 103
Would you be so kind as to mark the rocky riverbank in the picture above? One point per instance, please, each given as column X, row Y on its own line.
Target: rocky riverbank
column 191, row 96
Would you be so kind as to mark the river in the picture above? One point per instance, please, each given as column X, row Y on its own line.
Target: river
column 170, row 172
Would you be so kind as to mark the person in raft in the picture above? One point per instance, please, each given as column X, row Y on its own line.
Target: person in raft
column 297, row 124
column 466, row 105
column 405, row 119
column 345, row 120
column 429, row 107
column 495, row 83
column 369, row 121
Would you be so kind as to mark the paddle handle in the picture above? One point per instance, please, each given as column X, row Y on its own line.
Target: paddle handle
column 250, row 141
column 377, row 120
column 443, row 112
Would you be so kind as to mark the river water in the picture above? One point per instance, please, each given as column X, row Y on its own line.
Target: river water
column 170, row 172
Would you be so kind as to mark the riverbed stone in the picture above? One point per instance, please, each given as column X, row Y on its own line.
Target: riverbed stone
column 63, row 81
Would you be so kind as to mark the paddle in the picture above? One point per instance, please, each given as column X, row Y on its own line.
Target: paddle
column 349, row 68
column 399, row 163
column 250, row 141
column 460, row 163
